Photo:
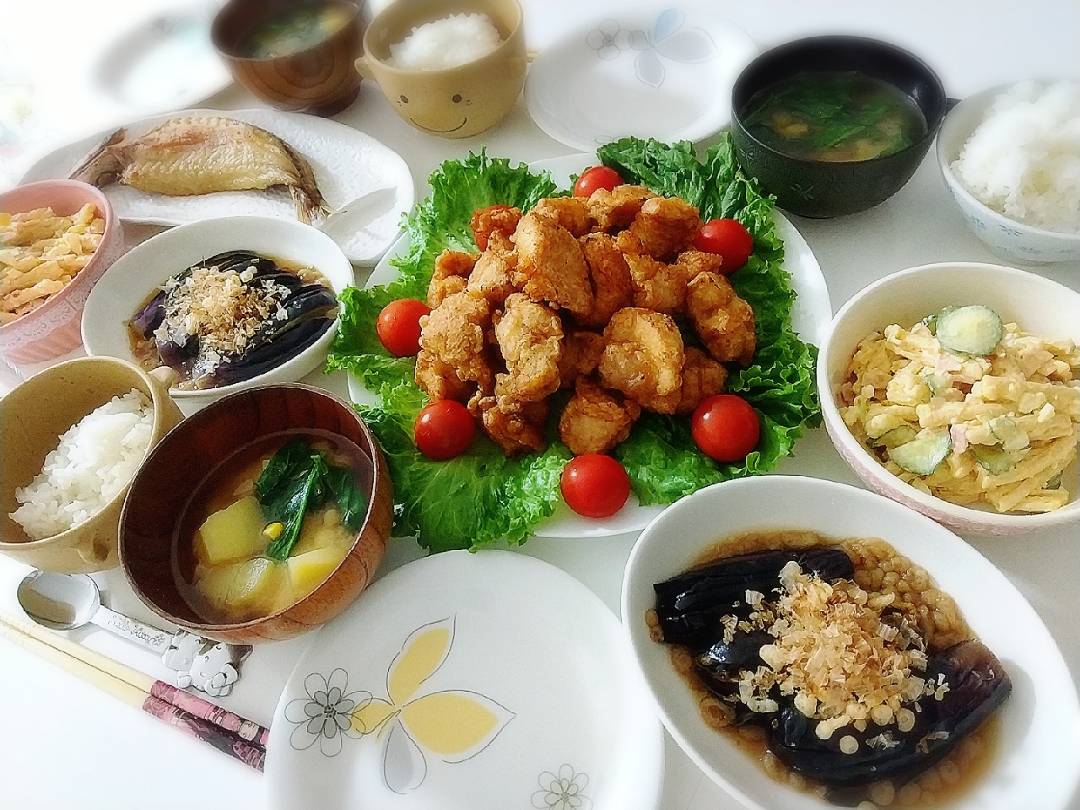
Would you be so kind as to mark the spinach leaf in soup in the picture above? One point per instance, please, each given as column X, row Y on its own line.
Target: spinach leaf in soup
column 834, row 116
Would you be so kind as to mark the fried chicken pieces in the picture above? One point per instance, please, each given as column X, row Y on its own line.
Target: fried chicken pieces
column 581, row 294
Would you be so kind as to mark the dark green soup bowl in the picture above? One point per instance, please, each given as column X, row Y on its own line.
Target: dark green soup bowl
column 820, row 188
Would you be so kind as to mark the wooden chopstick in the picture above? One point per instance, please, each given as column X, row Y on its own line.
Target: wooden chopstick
column 228, row 732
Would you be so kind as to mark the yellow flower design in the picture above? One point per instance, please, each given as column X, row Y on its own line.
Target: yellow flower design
column 453, row 725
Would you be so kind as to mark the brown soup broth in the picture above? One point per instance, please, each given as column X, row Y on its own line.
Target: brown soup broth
column 236, row 476
column 874, row 561
column 294, row 29
column 834, row 116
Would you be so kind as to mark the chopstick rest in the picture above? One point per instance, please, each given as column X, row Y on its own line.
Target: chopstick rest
column 242, row 739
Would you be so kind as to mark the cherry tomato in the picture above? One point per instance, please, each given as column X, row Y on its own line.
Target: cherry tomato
column 594, row 178
column 730, row 239
column 444, row 429
column 725, row 427
column 594, row 485
column 398, row 326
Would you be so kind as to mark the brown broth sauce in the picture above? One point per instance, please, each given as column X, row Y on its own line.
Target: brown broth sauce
column 234, row 478
column 940, row 784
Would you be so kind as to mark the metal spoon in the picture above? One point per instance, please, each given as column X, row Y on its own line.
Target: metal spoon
column 69, row 601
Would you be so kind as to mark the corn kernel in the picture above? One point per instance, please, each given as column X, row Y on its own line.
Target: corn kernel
column 273, row 531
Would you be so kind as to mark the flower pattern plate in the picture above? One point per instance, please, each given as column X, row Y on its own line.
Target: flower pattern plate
column 468, row 681
column 655, row 72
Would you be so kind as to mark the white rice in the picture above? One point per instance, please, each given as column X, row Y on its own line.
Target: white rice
column 450, row 42
column 1023, row 160
column 94, row 461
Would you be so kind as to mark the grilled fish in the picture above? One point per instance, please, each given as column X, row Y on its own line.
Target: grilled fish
column 198, row 155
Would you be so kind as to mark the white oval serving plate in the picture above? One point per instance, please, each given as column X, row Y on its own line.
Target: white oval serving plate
column 348, row 165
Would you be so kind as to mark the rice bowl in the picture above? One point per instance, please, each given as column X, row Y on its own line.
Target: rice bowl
column 1006, row 237
column 1023, row 159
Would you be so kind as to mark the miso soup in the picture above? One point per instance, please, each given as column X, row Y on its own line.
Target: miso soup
column 836, row 116
column 270, row 524
column 294, row 29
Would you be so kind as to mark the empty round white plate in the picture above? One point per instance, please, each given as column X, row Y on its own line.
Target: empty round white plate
column 663, row 73
column 468, row 681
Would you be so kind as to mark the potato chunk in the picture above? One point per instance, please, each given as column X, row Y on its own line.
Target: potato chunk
column 243, row 588
column 232, row 533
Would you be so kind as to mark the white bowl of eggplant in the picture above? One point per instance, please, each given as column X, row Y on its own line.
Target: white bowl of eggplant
column 811, row 644
column 221, row 305
column 954, row 388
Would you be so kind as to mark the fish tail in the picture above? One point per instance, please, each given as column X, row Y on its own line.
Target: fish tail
column 306, row 196
column 102, row 165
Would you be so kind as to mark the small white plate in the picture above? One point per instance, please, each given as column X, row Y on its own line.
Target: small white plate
column 501, row 682
column 348, row 165
column 663, row 73
column 165, row 62
column 810, row 317
column 1037, row 763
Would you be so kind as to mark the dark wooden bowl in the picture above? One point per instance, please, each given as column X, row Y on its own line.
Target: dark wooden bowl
column 153, row 528
column 821, row 189
column 320, row 79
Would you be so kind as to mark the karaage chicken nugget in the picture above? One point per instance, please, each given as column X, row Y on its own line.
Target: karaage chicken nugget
column 493, row 275
column 581, row 355
column 450, row 275
column 530, row 337
column 516, row 431
column 643, row 357
column 551, row 267
column 664, row 227
column 571, row 213
column 723, row 321
column 439, row 380
column 657, row 285
column 610, row 274
column 693, row 262
column 453, row 342
column 614, row 210
column 703, row 377
column 497, row 219
column 595, row 420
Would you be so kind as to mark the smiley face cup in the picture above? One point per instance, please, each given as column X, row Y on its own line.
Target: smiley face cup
column 456, row 102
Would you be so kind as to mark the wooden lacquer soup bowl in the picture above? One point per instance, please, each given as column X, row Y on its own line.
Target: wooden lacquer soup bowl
column 161, row 512
column 319, row 79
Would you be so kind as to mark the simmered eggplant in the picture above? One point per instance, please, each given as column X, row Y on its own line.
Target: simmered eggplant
column 689, row 605
column 976, row 685
column 845, row 682
column 230, row 318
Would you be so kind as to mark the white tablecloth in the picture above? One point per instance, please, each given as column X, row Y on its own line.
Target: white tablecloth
column 64, row 743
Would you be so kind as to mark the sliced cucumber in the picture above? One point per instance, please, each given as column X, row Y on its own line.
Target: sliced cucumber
column 972, row 330
column 896, row 437
column 937, row 383
column 1009, row 432
column 923, row 455
column 993, row 458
